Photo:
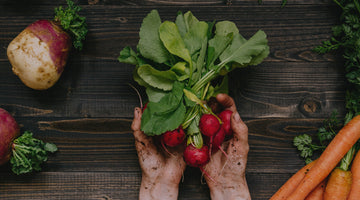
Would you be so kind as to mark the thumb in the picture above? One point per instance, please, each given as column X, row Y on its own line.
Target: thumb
column 240, row 129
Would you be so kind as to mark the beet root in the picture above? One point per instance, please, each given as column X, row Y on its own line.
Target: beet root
column 9, row 130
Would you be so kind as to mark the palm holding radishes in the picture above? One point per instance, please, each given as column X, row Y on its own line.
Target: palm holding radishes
column 225, row 172
column 161, row 171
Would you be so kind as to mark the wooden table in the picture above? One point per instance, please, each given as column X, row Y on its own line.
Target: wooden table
column 89, row 111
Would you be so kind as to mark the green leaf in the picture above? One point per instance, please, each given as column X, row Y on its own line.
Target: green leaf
column 127, row 55
column 165, row 115
column 223, row 87
column 193, row 129
column 138, row 79
column 169, row 102
column 180, row 23
column 29, row 153
column 163, row 80
column 153, row 124
column 216, row 46
column 150, row 45
column 195, row 32
column 154, row 94
column 192, row 97
column 50, row 147
column 225, row 28
column 173, row 42
column 244, row 54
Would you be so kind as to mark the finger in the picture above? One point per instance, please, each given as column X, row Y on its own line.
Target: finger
column 226, row 101
column 140, row 138
column 136, row 123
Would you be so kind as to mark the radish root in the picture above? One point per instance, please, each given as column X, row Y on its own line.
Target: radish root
column 207, row 175
column 138, row 93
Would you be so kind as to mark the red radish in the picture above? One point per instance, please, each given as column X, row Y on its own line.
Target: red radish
column 174, row 137
column 217, row 140
column 225, row 117
column 9, row 130
column 39, row 53
column 195, row 157
column 209, row 125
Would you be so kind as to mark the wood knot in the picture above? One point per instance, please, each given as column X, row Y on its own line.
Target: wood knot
column 309, row 106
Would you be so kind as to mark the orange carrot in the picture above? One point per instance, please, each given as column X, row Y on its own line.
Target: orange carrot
column 328, row 160
column 290, row 185
column 338, row 185
column 355, row 187
column 318, row 192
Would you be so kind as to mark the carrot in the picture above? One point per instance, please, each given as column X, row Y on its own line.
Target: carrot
column 328, row 160
column 355, row 170
column 338, row 185
column 290, row 185
column 318, row 192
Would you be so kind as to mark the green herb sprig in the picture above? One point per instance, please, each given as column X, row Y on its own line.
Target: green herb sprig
column 29, row 153
column 73, row 23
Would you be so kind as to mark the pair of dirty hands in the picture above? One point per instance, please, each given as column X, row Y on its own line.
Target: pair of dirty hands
column 162, row 172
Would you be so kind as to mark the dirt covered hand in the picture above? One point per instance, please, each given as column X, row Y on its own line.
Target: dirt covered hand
column 161, row 171
column 226, row 178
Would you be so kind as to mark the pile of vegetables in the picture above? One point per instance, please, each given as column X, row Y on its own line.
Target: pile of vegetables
column 25, row 153
column 39, row 53
column 336, row 173
column 183, row 65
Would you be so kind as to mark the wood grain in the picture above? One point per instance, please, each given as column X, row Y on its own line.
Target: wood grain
column 88, row 112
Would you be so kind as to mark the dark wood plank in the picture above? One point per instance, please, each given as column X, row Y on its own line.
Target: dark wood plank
column 115, row 186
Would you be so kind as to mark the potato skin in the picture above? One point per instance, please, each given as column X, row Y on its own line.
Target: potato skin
column 39, row 53
column 9, row 130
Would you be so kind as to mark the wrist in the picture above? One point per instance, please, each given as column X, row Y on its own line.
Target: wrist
column 234, row 190
column 158, row 189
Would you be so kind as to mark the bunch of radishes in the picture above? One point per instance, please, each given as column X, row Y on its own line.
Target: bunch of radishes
column 214, row 129
column 183, row 65
column 39, row 53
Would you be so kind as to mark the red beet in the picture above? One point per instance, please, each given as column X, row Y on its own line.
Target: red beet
column 174, row 137
column 9, row 130
column 209, row 125
column 195, row 157
column 225, row 117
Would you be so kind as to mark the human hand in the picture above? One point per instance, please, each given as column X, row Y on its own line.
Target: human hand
column 226, row 175
column 161, row 171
